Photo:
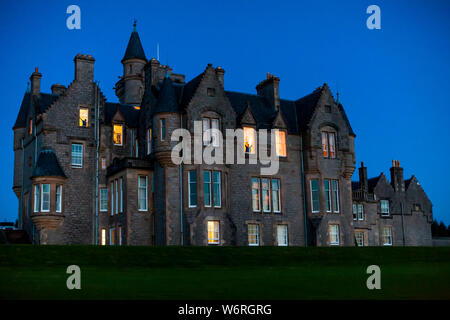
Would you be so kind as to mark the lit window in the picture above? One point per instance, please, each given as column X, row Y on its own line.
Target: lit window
column 211, row 132
column 335, row 185
column 253, row 235
column 329, row 144
column 355, row 212
column 45, row 198
column 280, row 141
column 282, row 235
column 256, row 194
column 192, row 188
column 103, row 199
column 112, row 236
column 207, row 188
column 37, row 189
column 217, row 189
column 112, row 197
column 142, row 193
column 103, row 163
column 276, row 195
column 77, row 155
column 163, row 129
column 315, row 204
column 360, row 212
column 387, row 236
column 249, row 140
column 30, row 127
column 213, row 232
column 384, row 207
column 103, row 239
column 118, row 134
column 149, row 141
column 84, row 117
column 58, row 198
column 327, row 195
column 265, row 187
column 119, row 233
column 359, row 237
column 334, row 234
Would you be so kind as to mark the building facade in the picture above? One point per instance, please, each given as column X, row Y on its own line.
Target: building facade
column 88, row 171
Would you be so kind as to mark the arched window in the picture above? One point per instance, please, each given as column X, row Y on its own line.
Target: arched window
column 328, row 139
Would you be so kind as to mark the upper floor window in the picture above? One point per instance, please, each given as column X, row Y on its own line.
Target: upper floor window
column 192, row 188
column 332, row 195
column 142, row 193
column 384, row 207
column 359, row 238
column 84, row 117
column 103, row 199
column 315, row 203
column 211, row 92
column 58, row 204
column 45, row 198
column 121, row 194
column 282, row 235
column 358, row 211
column 162, row 124
column 136, row 147
column 37, row 197
column 118, row 134
column 256, row 195
column 249, row 140
column 77, row 155
column 253, row 235
column 213, row 232
column 212, row 191
column 334, row 234
column 266, row 191
column 149, row 141
column 210, row 132
column 280, row 141
column 30, row 127
column 217, row 189
column 329, row 145
column 387, row 236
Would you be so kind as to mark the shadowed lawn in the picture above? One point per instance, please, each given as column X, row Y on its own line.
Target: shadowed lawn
column 39, row 272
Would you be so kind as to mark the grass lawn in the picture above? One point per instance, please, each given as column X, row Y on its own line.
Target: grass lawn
column 39, row 272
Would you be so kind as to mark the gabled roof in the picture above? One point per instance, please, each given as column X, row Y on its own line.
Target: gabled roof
column 190, row 88
column 128, row 111
column 372, row 182
column 306, row 106
column 48, row 165
column 134, row 48
column 43, row 101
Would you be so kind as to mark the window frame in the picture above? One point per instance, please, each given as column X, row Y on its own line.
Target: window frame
column 81, row 157
column 330, row 229
column 42, row 197
column 390, row 237
column 209, row 184
column 80, row 119
column 102, row 200
column 163, row 129
column 256, row 235
column 258, row 180
column 121, row 134
column 278, row 193
column 388, row 213
column 328, row 199
column 326, row 139
column 213, row 240
column 145, row 193
column 149, row 141
column 335, row 196
column 281, row 142
column 217, row 185
column 192, row 189
column 268, row 192
column 112, row 236
column 121, row 193
column 286, row 236
column 209, row 136
column 250, row 132
column 318, row 195
column 363, row 238
column 360, row 213
column 37, row 198
column 58, row 198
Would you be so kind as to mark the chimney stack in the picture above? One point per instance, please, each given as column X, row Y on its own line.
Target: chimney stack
column 220, row 73
column 84, row 67
column 397, row 179
column 58, row 89
column 36, row 82
column 270, row 89
column 363, row 181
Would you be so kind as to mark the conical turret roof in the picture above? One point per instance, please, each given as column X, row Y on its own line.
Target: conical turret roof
column 134, row 48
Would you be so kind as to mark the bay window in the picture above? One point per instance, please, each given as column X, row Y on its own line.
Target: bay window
column 37, row 195
column 45, row 198
column 58, row 198
column 329, row 144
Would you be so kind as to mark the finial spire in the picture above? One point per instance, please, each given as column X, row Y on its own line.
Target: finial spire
column 134, row 25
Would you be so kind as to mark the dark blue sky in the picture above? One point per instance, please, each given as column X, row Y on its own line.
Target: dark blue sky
column 394, row 82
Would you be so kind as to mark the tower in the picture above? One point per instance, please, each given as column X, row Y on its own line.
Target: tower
column 130, row 88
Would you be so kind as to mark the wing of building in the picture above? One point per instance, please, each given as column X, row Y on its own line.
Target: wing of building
column 88, row 171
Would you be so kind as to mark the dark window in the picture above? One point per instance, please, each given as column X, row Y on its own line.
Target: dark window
column 211, row 92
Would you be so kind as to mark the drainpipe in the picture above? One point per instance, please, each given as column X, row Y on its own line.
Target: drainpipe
column 96, row 128
column 303, row 177
column 403, row 226
column 181, row 191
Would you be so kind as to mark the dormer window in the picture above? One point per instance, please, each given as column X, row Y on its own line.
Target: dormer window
column 84, row 117
column 280, row 141
column 118, row 134
column 329, row 144
column 249, row 140
column 211, row 92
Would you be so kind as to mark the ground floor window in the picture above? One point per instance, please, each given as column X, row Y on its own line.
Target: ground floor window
column 112, row 236
column 334, row 234
column 213, row 232
column 119, row 233
column 387, row 236
column 103, row 237
column 282, row 235
column 253, row 235
column 359, row 238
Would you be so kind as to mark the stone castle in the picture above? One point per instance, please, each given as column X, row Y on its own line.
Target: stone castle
column 88, row 171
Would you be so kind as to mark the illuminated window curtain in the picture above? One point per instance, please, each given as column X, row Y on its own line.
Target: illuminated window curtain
column 192, row 188
column 207, row 188
column 325, row 144
column 103, row 237
column 265, row 184
column 332, row 140
column 327, row 195
column 249, row 140
column 253, row 235
column 213, row 232
column 117, row 134
column 84, row 117
column 282, row 235
column 315, row 204
column 276, row 195
column 280, row 141
column 256, row 194
column 217, row 189
column 112, row 236
column 335, row 185
column 45, row 201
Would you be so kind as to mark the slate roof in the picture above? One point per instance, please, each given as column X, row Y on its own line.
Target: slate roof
column 43, row 102
column 372, row 183
column 355, row 185
column 48, row 165
column 189, row 89
column 134, row 48
column 167, row 98
column 128, row 111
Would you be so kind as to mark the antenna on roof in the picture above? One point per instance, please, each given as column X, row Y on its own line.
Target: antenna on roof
column 157, row 51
